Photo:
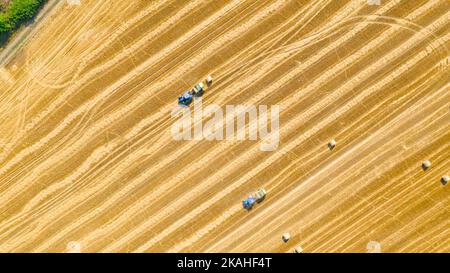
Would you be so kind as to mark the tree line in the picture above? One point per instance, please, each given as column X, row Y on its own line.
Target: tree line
column 18, row 12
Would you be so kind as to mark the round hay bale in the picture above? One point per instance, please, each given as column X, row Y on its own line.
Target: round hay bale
column 332, row 144
column 373, row 247
column 209, row 80
column 426, row 164
column 298, row 249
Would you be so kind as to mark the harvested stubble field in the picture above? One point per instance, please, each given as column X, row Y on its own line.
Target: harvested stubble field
column 87, row 160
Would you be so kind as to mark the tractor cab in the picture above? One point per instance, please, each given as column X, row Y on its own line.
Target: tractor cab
column 248, row 203
column 185, row 99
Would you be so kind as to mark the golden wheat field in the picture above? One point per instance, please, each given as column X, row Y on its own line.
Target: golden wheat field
column 88, row 162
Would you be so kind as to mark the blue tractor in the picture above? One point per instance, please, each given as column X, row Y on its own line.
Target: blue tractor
column 248, row 203
column 185, row 99
column 258, row 196
column 196, row 91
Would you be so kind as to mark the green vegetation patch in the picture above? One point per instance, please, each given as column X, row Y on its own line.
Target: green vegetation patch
column 16, row 13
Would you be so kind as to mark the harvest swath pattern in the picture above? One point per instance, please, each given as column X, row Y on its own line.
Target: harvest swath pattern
column 86, row 153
